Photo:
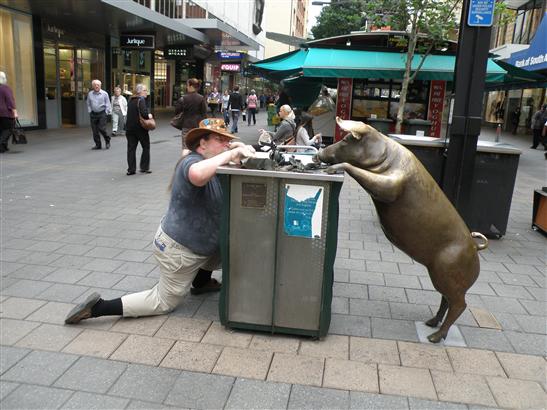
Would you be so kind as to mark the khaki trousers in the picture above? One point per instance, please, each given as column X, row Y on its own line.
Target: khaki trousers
column 178, row 267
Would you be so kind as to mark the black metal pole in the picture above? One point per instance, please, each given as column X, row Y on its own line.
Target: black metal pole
column 471, row 60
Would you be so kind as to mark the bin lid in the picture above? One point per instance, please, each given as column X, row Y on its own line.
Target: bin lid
column 414, row 140
column 497, row 148
column 317, row 175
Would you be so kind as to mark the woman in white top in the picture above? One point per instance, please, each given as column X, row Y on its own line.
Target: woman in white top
column 305, row 129
column 225, row 111
column 119, row 111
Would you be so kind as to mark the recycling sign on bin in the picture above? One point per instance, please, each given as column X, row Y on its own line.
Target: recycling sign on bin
column 481, row 13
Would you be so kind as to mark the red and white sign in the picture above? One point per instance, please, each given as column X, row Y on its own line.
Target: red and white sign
column 436, row 105
column 343, row 104
column 230, row 67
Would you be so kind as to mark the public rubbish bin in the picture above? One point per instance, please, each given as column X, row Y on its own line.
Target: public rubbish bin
column 493, row 179
column 381, row 124
column 278, row 245
column 413, row 125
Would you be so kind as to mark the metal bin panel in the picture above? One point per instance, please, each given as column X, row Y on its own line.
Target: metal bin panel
column 300, row 268
column 253, row 212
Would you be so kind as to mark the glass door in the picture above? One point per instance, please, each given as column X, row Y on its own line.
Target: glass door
column 67, row 84
column 53, row 101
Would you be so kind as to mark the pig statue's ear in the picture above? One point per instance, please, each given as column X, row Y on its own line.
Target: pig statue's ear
column 356, row 135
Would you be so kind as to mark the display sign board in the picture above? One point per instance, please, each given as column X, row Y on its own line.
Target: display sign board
column 139, row 41
column 343, row 104
column 229, row 55
column 303, row 210
column 230, row 67
column 481, row 13
column 178, row 52
column 436, row 106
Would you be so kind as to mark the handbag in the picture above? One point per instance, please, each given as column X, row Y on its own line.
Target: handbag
column 177, row 121
column 148, row 124
column 244, row 115
column 17, row 134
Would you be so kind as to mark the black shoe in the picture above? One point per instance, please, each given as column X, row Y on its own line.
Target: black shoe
column 212, row 286
column 147, row 171
column 83, row 310
column 130, row 173
column 96, row 147
column 108, row 145
column 534, row 147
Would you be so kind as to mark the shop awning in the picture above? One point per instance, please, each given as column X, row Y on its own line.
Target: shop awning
column 322, row 62
column 534, row 58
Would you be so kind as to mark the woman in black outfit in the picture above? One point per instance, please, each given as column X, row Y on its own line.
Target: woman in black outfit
column 136, row 134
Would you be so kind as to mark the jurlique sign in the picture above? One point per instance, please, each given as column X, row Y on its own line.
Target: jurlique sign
column 139, row 41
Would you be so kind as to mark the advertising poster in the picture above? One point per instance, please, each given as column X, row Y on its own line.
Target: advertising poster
column 343, row 104
column 303, row 210
column 436, row 105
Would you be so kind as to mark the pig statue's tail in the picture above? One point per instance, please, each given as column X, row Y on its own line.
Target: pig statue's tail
column 484, row 244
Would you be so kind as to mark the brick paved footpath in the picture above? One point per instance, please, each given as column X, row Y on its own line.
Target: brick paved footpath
column 74, row 223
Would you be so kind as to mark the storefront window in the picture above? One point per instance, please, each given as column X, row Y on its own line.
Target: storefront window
column 17, row 61
column 495, row 107
column 532, row 99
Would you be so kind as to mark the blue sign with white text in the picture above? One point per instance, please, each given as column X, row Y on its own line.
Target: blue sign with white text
column 481, row 13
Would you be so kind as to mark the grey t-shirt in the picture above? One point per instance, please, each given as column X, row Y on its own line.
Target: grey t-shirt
column 193, row 216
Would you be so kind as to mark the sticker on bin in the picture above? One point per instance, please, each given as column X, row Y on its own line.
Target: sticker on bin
column 303, row 210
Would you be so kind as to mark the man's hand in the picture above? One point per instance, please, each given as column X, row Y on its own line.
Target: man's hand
column 239, row 153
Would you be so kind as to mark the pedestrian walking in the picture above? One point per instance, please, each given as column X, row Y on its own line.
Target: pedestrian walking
column 252, row 101
column 187, row 240
column 8, row 112
column 225, row 110
column 193, row 107
column 538, row 120
column 119, row 111
column 515, row 118
column 98, row 107
column 136, row 134
column 235, row 105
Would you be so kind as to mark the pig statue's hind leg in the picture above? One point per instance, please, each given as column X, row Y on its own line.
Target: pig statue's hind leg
column 435, row 320
column 456, row 306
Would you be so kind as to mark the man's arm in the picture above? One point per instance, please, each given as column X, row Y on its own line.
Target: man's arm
column 108, row 105
column 88, row 102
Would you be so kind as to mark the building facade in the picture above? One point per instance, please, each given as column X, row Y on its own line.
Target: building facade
column 51, row 50
column 286, row 17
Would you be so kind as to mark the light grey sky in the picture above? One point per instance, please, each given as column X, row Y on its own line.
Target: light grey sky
column 313, row 13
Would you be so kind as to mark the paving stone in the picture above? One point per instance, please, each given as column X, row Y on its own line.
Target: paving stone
column 143, row 349
column 485, row 319
column 515, row 278
column 350, row 375
column 95, row 343
column 72, row 261
column 386, row 293
column 526, row 367
column 200, row 391
column 9, row 356
column 6, row 388
column 511, row 291
column 36, row 397
column 308, row 397
column 91, row 375
column 331, row 346
column 7, row 268
column 135, row 283
column 475, row 361
column 407, row 311
column 420, row 404
column 257, row 394
column 146, row 326
column 424, row 297
column 382, row 267
column 208, row 310
column 101, row 279
column 66, row 275
column 275, row 343
column 218, row 335
column 40, row 368
column 534, row 307
column 350, row 325
column 145, row 383
column 538, row 293
column 82, row 400
column 40, row 258
column 527, row 343
column 363, row 307
column 532, row 324
column 374, row 350
column 517, row 394
column 396, row 256
column 406, row 381
column 183, row 328
column 199, row 357
column 253, row 364
column 481, row 288
column 74, row 249
column 369, row 278
column 26, row 288
column 502, row 304
column 49, row 337
column 61, row 292
column 19, row 308
column 341, row 275
column 31, row 272
column 394, row 329
column 359, row 401
column 350, row 290
column 425, row 356
column 288, row 368
column 471, row 389
column 102, row 265
column 491, row 339
column 402, row 281
column 363, row 255
column 12, row 330
column 136, row 268
column 146, row 405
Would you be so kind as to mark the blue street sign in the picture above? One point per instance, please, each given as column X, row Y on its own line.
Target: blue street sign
column 481, row 13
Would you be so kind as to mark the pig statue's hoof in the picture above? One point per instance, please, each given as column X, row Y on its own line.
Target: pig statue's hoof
column 436, row 337
column 333, row 169
column 433, row 322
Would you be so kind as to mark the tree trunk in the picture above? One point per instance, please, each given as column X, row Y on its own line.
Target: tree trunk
column 412, row 40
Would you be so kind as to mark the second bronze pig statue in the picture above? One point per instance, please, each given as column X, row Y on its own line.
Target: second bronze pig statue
column 414, row 213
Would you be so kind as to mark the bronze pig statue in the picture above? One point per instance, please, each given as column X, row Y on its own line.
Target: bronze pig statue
column 414, row 213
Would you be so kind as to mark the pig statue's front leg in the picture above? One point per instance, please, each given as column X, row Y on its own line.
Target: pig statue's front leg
column 384, row 188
